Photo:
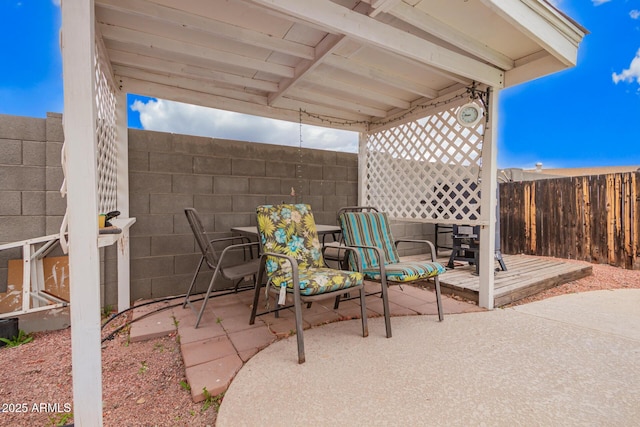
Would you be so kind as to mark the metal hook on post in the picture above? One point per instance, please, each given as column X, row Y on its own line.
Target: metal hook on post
column 482, row 96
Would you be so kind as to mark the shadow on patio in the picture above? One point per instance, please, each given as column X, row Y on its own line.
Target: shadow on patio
column 216, row 351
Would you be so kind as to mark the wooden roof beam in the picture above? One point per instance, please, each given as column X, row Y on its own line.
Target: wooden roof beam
column 169, row 16
column 439, row 29
column 340, row 20
column 380, row 76
column 133, row 37
column 180, row 69
column 323, row 49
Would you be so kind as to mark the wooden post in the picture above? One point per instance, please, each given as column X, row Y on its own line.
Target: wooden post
column 362, row 169
column 124, row 291
column 78, row 49
column 488, row 188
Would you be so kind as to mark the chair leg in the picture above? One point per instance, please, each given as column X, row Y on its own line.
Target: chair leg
column 439, row 298
column 337, row 303
column 193, row 283
column 256, row 297
column 206, row 298
column 299, row 337
column 385, row 304
column 363, row 313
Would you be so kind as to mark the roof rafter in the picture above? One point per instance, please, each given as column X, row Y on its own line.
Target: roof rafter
column 187, row 83
column 357, row 91
column 325, row 47
column 380, row 6
column 380, row 76
column 340, row 20
column 181, row 69
column 126, row 35
column 169, row 16
column 431, row 25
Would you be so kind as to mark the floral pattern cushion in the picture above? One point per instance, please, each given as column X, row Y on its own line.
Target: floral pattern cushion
column 318, row 280
column 290, row 229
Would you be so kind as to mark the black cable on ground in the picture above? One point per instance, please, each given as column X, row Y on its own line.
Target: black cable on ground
column 120, row 328
column 126, row 310
column 117, row 330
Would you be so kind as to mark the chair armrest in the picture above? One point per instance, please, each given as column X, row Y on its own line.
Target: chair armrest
column 243, row 239
column 432, row 248
column 346, row 249
column 295, row 275
column 243, row 246
column 379, row 253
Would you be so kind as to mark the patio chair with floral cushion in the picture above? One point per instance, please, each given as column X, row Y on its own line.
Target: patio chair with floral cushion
column 293, row 262
column 369, row 233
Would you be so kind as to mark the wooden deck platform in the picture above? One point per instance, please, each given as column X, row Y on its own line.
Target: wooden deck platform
column 526, row 275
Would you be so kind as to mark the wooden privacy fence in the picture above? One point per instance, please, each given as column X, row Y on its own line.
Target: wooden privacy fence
column 591, row 218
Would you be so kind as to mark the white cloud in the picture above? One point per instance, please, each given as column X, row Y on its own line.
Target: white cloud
column 634, row 14
column 175, row 117
column 599, row 2
column 630, row 74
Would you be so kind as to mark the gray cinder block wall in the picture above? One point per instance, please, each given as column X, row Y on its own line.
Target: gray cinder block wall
column 225, row 180
column 30, row 178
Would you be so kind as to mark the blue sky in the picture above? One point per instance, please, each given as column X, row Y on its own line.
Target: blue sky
column 588, row 115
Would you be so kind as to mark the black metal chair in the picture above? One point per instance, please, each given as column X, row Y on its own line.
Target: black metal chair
column 234, row 270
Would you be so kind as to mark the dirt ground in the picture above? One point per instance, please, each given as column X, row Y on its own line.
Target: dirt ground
column 144, row 383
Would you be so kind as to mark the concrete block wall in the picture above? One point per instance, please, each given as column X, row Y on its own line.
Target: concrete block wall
column 30, row 178
column 225, row 181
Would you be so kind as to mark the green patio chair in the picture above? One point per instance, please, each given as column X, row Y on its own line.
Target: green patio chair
column 369, row 233
column 293, row 262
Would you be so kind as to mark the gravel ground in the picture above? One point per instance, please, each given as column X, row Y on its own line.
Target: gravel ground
column 144, row 383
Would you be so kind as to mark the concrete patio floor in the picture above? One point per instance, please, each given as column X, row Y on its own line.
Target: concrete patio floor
column 214, row 353
column 572, row 360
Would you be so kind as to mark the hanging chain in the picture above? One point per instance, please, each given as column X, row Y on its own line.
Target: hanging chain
column 485, row 99
column 298, row 194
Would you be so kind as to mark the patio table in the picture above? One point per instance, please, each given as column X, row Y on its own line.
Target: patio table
column 323, row 230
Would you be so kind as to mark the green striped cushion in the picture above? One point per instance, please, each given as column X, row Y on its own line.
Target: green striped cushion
column 368, row 229
column 407, row 271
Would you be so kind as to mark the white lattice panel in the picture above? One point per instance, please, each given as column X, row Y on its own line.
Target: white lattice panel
column 107, row 152
column 426, row 170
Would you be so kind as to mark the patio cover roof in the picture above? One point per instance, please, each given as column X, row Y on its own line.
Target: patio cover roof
column 355, row 61
column 348, row 64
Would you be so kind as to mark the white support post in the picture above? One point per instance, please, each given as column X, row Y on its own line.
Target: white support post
column 124, row 290
column 362, row 169
column 488, row 188
column 78, row 49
